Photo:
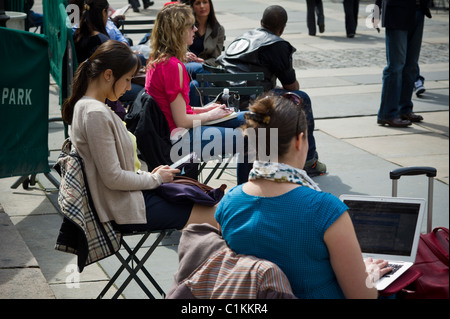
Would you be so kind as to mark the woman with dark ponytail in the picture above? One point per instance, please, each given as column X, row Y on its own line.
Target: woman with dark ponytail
column 90, row 34
column 120, row 191
column 92, row 28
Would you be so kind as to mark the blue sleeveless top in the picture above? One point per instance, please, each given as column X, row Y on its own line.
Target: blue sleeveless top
column 287, row 230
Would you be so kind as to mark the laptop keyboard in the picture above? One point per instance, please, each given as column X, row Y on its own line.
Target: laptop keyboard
column 395, row 267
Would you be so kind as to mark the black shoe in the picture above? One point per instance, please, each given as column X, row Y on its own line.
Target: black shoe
column 351, row 35
column 411, row 117
column 148, row 4
column 395, row 122
column 321, row 28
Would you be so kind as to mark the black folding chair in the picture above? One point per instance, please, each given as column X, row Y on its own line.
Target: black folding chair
column 214, row 83
column 242, row 84
column 133, row 264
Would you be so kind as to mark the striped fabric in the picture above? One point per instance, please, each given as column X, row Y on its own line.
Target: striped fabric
column 226, row 275
column 74, row 202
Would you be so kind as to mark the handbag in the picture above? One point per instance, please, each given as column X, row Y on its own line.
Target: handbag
column 185, row 190
column 139, row 77
column 430, row 270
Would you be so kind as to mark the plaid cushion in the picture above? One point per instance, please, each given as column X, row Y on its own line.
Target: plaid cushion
column 76, row 205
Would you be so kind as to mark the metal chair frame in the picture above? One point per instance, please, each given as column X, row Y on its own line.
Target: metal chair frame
column 128, row 264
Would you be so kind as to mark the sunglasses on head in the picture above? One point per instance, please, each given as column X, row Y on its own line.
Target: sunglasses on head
column 293, row 97
column 297, row 100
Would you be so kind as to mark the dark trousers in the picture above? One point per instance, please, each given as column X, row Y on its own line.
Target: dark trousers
column 351, row 8
column 314, row 7
column 135, row 3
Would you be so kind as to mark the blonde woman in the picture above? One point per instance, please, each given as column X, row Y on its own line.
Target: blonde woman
column 167, row 81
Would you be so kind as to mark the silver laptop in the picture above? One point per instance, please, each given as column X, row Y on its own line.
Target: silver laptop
column 387, row 228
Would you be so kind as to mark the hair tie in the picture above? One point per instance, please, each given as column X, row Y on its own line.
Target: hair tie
column 87, row 7
column 262, row 119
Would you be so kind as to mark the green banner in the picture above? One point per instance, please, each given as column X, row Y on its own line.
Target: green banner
column 24, row 98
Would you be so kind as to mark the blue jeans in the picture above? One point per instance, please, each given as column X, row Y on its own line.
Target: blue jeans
column 402, row 54
column 312, row 153
column 129, row 96
column 194, row 68
column 211, row 141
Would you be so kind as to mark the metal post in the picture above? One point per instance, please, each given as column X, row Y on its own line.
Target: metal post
column 430, row 204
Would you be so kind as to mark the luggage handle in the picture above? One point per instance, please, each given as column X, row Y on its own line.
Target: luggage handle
column 430, row 172
column 412, row 171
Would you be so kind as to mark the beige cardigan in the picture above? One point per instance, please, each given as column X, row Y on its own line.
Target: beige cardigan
column 102, row 140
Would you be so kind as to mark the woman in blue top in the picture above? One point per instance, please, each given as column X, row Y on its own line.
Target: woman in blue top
column 281, row 215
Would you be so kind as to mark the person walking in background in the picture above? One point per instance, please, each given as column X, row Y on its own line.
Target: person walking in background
column 351, row 9
column 314, row 7
column 135, row 4
column 404, row 21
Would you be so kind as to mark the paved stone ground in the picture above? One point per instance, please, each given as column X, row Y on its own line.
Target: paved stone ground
column 335, row 59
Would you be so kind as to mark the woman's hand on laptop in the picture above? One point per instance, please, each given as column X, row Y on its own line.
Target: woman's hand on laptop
column 376, row 269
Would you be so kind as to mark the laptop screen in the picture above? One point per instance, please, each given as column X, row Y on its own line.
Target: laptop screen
column 384, row 227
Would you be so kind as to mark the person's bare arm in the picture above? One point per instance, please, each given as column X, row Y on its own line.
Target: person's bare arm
column 292, row 87
column 182, row 119
column 347, row 262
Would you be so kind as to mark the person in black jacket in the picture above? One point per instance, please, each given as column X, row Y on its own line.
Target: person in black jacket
column 404, row 21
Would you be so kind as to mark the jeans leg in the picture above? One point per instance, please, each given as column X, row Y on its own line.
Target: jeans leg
column 307, row 107
column 211, row 142
column 310, row 16
column 410, row 71
column 194, row 68
column 129, row 96
column 396, row 43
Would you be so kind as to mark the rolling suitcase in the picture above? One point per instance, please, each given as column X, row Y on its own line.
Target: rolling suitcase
column 428, row 278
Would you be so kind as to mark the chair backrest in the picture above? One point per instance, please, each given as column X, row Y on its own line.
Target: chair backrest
column 82, row 233
column 236, row 82
column 15, row 5
column 147, row 122
column 146, row 26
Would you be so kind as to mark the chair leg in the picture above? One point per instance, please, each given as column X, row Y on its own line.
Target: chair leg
column 140, row 264
column 225, row 166
column 133, row 271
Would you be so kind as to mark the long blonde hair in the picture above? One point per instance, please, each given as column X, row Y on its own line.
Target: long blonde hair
column 168, row 36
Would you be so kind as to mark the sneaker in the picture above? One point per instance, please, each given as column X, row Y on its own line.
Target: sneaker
column 419, row 88
column 315, row 168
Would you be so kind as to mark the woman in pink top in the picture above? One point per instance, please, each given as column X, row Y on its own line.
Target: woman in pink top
column 167, row 81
